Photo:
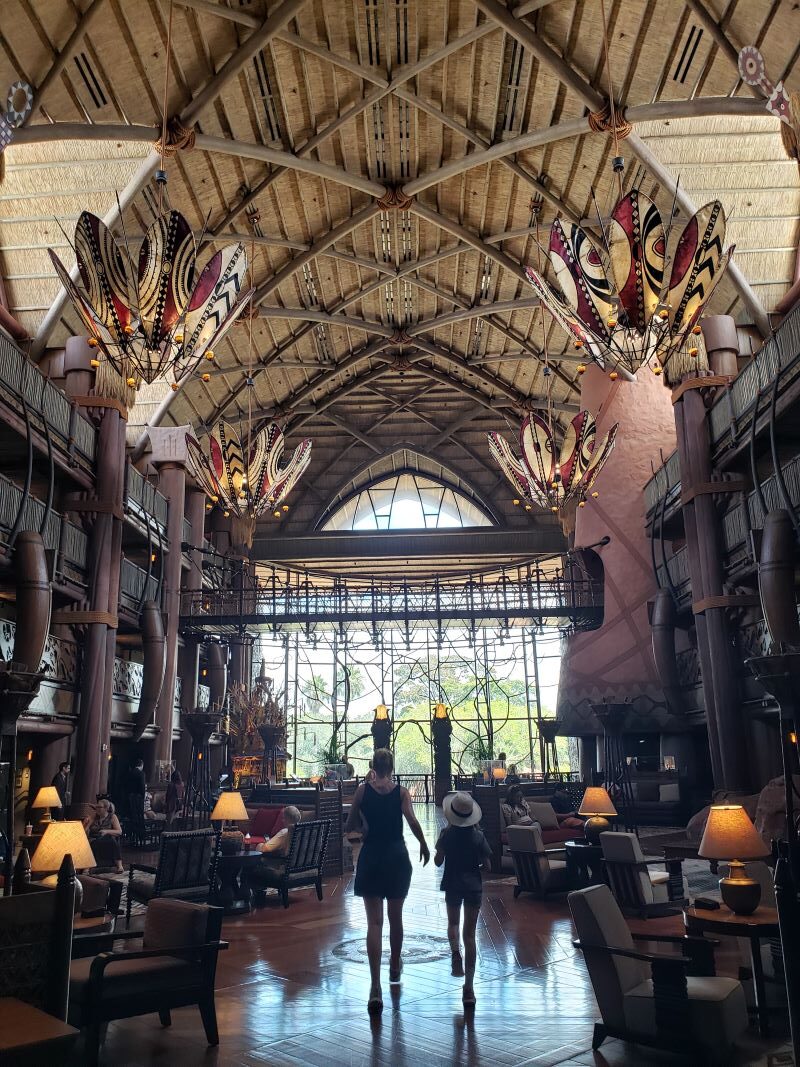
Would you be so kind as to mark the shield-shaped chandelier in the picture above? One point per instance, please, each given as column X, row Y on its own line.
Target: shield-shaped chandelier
column 624, row 300
column 248, row 482
column 161, row 315
column 546, row 475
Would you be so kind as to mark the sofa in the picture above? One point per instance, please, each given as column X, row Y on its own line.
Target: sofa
column 491, row 797
column 659, row 798
column 313, row 804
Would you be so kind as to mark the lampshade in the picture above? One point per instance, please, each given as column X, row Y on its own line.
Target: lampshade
column 59, row 839
column 47, row 797
column 498, row 773
column 730, row 835
column 229, row 808
column 596, row 801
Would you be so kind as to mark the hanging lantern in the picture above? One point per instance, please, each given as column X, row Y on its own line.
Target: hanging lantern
column 161, row 316
column 252, row 488
column 440, row 711
column 545, row 475
column 381, row 712
column 616, row 301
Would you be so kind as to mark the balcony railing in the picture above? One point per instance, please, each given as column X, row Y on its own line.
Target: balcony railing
column 135, row 586
column 20, row 380
column 678, row 574
column 666, row 480
column 68, row 543
column 144, row 500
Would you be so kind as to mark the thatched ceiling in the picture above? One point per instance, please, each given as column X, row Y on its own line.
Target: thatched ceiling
column 382, row 328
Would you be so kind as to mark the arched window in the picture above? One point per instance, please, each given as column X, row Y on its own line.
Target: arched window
column 407, row 501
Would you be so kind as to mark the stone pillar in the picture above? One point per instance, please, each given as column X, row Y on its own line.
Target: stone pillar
column 722, row 344
column 169, row 456
column 718, row 661
column 105, row 553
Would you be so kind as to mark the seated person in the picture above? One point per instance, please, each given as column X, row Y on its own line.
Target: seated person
column 104, row 833
column 514, row 809
column 149, row 814
column 276, row 849
column 564, row 807
column 512, row 778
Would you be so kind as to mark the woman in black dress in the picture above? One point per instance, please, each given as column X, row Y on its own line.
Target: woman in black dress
column 384, row 869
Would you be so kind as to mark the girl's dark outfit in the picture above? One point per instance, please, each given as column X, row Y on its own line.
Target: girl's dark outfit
column 464, row 849
column 384, row 869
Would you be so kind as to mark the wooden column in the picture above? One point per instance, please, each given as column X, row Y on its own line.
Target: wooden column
column 189, row 652
column 718, row 661
column 105, row 552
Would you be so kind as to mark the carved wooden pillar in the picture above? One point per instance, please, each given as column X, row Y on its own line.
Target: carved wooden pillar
column 718, row 659
column 189, row 651
column 105, row 553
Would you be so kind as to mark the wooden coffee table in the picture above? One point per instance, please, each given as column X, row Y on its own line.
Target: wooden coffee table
column 233, row 893
column 762, row 923
column 584, row 864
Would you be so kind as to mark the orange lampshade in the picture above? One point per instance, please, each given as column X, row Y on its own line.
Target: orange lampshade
column 59, row 839
column 47, row 797
column 498, row 773
column 229, row 808
column 596, row 801
column 730, row 835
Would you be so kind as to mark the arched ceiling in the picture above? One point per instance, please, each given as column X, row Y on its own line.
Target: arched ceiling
column 381, row 156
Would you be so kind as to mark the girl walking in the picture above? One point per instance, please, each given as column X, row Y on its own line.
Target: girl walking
column 462, row 848
column 384, row 869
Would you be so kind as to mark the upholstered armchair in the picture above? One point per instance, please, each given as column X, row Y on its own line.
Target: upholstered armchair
column 655, row 999
column 538, row 871
column 638, row 889
column 186, row 869
column 304, row 865
column 175, row 967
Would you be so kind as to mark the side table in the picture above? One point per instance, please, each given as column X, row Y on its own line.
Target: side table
column 29, row 1036
column 584, row 864
column 762, row 923
column 233, row 893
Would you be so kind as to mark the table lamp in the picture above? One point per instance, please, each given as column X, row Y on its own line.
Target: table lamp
column 230, row 808
column 728, row 833
column 46, row 798
column 597, row 804
column 61, row 839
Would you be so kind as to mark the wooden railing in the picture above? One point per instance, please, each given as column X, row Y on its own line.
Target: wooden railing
column 133, row 581
column 68, row 542
column 144, row 500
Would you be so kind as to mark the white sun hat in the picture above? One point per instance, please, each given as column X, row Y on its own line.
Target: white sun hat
column 461, row 810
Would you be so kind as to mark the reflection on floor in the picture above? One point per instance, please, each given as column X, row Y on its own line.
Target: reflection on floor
column 292, row 992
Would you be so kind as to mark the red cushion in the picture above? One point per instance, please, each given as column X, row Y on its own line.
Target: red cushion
column 266, row 822
column 564, row 833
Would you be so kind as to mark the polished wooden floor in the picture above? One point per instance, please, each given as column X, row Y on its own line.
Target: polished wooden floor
column 292, row 992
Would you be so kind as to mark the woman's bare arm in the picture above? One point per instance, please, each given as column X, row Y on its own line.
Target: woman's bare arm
column 414, row 826
column 354, row 818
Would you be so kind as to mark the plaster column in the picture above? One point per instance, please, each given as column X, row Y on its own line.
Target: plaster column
column 169, row 456
column 105, row 552
column 615, row 662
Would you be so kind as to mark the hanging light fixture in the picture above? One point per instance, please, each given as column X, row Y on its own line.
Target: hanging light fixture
column 247, row 482
column 163, row 316
column 619, row 302
column 546, row 475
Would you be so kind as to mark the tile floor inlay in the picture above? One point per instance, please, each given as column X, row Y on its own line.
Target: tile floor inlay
column 417, row 948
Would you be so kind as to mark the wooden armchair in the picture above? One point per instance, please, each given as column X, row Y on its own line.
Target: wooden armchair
column 304, row 864
column 655, row 999
column 137, row 831
column 637, row 889
column 35, row 941
column 538, row 872
column 176, row 967
column 186, row 870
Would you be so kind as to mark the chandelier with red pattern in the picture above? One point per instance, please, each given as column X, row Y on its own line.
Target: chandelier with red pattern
column 157, row 315
column 546, row 475
column 635, row 294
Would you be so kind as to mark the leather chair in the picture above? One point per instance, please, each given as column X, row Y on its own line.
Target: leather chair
column 655, row 999
column 538, row 871
column 176, row 967
column 637, row 889
column 186, row 870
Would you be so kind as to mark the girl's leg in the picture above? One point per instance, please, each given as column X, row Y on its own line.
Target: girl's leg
column 395, row 911
column 471, row 914
column 453, row 936
column 373, row 906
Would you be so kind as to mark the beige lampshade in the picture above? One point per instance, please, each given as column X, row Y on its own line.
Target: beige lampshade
column 47, row 797
column 730, row 835
column 596, row 801
column 59, row 839
column 229, row 808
